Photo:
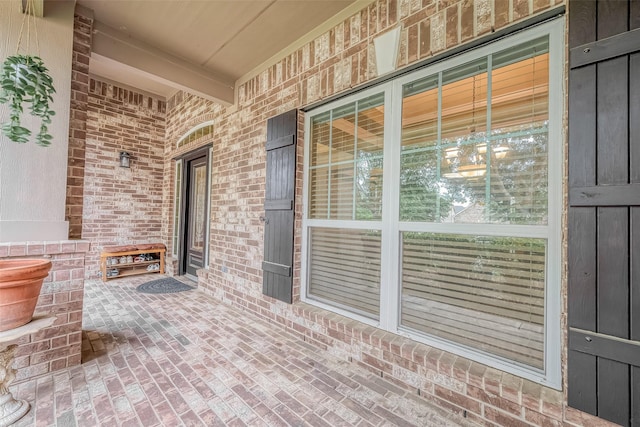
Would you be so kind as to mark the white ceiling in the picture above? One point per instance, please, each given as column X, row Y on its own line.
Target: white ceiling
column 161, row 46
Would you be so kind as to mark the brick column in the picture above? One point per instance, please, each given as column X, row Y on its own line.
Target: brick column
column 82, row 28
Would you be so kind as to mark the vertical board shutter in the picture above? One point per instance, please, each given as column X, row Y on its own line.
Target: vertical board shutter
column 277, row 267
column 604, row 209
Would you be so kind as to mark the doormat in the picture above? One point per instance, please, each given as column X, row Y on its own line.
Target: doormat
column 167, row 285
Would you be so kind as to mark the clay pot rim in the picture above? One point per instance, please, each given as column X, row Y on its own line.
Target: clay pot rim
column 19, row 268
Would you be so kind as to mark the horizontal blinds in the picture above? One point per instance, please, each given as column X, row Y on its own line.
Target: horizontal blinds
column 346, row 161
column 320, row 139
column 344, row 269
column 518, row 182
column 341, row 196
column 480, row 153
column 482, row 292
column 319, row 193
column 520, row 94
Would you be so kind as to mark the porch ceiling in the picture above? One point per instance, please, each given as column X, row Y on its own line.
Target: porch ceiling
column 205, row 47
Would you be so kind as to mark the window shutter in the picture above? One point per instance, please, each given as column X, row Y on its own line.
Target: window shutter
column 277, row 267
column 604, row 210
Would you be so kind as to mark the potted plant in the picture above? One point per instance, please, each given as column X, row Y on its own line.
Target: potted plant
column 20, row 284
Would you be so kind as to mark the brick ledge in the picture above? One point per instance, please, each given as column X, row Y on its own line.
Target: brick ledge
column 41, row 248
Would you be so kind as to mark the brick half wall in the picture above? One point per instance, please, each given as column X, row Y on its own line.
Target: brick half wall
column 58, row 346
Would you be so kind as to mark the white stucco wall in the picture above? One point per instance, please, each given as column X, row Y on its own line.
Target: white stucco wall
column 32, row 178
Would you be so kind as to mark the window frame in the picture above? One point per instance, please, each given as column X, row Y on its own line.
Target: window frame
column 391, row 227
column 177, row 208
column 350, row 224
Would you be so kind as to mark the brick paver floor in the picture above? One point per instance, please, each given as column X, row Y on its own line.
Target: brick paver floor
column 186, row 359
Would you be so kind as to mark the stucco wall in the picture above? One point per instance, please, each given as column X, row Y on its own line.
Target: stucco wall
column 33, row 179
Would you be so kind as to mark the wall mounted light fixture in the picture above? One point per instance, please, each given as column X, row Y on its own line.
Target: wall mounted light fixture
column 124, row 159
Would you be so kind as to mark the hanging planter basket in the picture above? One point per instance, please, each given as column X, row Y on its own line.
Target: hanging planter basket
column 25, row 80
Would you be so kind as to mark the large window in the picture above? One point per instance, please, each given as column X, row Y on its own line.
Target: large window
column 433, row 204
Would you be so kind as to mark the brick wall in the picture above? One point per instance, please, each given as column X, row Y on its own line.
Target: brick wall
column 122, row 205
column 336, row 61
column 82, row 30
column 58, row 346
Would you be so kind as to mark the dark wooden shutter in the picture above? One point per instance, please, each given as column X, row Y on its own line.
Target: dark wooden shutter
column 604, row 209
column 277, row 267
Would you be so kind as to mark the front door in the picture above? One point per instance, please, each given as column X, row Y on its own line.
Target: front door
column 196, row 212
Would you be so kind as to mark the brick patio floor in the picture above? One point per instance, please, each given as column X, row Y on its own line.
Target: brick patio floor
column 186, row 359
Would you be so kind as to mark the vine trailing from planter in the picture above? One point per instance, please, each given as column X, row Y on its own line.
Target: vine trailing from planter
column 25, row 80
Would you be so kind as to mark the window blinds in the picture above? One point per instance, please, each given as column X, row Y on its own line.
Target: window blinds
column 482, row 292
column 345, row 269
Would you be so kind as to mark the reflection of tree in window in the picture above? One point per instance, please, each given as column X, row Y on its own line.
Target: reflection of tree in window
column 474, row 142
column 347, row 160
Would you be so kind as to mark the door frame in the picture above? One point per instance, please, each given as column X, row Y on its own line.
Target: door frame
column 184, row 188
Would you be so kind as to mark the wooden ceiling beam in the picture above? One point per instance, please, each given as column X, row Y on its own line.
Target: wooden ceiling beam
column 161, row 66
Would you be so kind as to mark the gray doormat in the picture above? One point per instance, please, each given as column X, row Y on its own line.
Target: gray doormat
column 167, row 285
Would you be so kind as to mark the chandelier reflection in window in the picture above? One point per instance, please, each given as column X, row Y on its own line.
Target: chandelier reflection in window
column 468, row 159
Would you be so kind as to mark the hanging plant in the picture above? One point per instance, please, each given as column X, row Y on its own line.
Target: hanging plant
column 25, row 79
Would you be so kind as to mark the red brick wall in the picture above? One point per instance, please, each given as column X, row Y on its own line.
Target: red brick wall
column 122, row 205
column 339, row 60
column 82, row 29
column 58, row 346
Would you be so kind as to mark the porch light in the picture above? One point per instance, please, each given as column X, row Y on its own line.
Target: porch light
column 124, row 159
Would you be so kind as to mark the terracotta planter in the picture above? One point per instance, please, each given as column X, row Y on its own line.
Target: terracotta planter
column 20, row 284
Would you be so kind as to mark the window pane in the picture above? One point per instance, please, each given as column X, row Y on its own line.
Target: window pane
column 420, row 114
column 320, row 139
column 482, row 292
column 369, row 159
column 452, row 169
column 177, row 207
column 464, row 102
column 369, row 186
column 344, row 269
column 319, row 193
column 343, row 131
column 519, row 117
column 341, row 191
column 419, row 187
column 347, row 146
column 519, row 180
column 419, row 178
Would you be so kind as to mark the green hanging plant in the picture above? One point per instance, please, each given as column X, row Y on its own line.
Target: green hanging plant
column 25, row 80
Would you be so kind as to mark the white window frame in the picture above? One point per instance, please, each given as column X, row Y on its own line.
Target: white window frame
column 391, row 227
column 350, row 224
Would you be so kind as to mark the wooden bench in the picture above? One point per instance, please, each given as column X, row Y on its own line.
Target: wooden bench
column 129, row 260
